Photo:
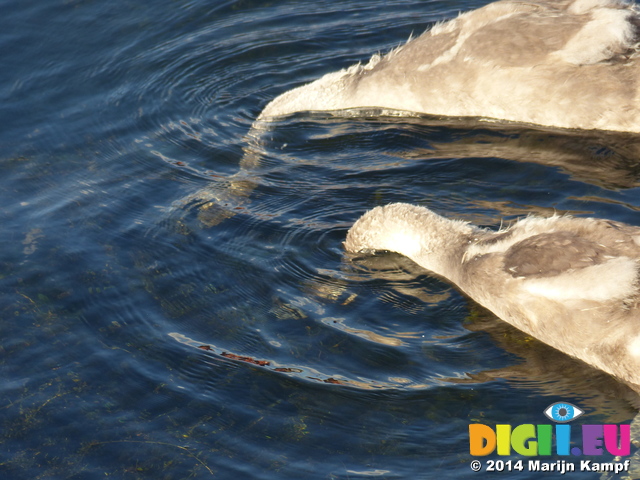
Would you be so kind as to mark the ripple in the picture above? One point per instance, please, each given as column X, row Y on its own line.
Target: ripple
column 294, row 218
column 174, row 274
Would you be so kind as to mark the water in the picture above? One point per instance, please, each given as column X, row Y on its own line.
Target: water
column 175, row 299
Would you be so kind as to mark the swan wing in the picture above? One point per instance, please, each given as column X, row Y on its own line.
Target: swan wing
column 552, row 254
column 566, row 265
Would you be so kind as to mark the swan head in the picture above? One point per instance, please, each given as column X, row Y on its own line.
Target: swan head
column 415, row 232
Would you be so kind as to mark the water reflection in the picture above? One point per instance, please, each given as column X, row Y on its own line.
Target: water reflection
column 603, row 159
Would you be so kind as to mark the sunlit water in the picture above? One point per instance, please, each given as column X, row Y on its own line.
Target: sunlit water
column 175, row 300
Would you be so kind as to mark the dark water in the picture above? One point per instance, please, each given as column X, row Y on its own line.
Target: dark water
column 142, row 218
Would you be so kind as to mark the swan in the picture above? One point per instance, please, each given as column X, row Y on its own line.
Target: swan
column 560, row 63
column 572, row 283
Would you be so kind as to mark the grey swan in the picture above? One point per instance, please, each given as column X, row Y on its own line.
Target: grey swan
column 572, row 283
column 559, row 63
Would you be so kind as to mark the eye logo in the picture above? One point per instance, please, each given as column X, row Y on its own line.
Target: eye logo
column 562, row 412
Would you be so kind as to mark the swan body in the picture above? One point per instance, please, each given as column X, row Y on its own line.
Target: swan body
column 562, row 63
column 570, row 282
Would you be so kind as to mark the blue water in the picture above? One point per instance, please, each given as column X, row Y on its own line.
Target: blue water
column 175, row 299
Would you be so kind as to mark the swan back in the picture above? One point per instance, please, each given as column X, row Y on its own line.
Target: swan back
column 571, row 64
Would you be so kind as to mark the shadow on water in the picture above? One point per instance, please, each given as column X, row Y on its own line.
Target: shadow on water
column 608, row 160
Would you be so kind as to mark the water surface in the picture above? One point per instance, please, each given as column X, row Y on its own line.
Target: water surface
column 175, row 299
